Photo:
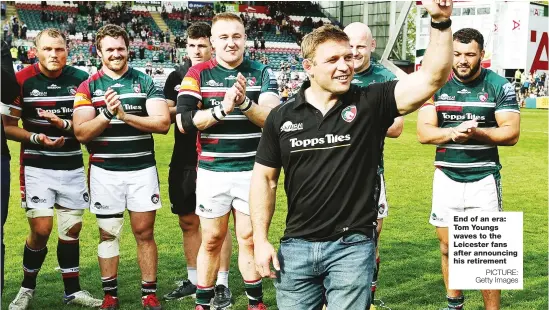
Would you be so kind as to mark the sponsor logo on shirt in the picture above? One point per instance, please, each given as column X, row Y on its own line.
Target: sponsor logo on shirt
column 176, row 88
column 446, row 97
column 327, row 139
column 463, row 91
column 37, row 93
column 230, row 77
column 213, row 83
column 53, row 86
column 462, row 117
column 289, row 126
column 356, row 81
column 98, row 92
column 349, row 113
column 117, row 85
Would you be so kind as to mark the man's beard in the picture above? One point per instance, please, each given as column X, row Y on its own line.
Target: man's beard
column 117, row 67
column 471, row 73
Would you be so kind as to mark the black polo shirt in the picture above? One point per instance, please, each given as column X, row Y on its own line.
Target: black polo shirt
column 330, row 162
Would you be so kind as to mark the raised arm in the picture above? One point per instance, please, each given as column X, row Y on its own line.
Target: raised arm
column 415, row 89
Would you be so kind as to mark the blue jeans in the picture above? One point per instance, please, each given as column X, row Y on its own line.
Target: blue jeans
column 343, row 268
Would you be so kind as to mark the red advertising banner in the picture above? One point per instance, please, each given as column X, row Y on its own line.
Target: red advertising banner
column 252, row 8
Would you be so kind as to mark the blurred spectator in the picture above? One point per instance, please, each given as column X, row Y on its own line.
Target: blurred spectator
column 6, row 29
column 31, row 55
column 15, row 28
column 14, row 53
column 24, row 31
column 148, row 68
column 3, row 9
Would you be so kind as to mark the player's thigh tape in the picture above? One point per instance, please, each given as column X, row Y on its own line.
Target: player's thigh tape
column 113, row 227
column 66, row 219
column 34, row 213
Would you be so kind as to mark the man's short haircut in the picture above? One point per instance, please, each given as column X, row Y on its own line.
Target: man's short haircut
column 199, row 30
column 227, row 17
column 113, row 31
column 466, row 35
column 321, row 35
column 52, row 32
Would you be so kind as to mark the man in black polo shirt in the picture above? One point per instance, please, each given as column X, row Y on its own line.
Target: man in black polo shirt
column 329, row 140
column 182, row 175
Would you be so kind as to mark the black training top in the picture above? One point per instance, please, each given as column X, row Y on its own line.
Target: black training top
column 330, row 162
column 184, row 154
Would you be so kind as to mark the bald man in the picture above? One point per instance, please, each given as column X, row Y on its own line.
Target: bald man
column 368, row 72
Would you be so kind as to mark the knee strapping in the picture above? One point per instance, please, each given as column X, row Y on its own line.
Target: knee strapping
column 66, row 220
column 34, row 213
column 112, row 226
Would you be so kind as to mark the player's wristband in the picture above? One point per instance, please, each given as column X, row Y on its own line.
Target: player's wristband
column 67, row 125
column 107, row 114
column 34, row 138
column 218, row 113
column 441, row 25
column 246, row 105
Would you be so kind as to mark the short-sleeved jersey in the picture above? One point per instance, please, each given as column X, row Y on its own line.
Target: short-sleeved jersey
column 376, row 73
column 38, row 92
column 120, row 147
column 231, row 144
column 457, row 102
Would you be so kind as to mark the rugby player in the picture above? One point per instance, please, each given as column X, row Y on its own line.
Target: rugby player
column 52, row 169
column 182, row 175
column 468, row 118
column 116, row 111
column 227, row 99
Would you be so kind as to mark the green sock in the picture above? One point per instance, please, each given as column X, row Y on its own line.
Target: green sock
column 254, row 291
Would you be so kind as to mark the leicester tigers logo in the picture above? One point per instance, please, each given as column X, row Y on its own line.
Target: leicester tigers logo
column 349, row 113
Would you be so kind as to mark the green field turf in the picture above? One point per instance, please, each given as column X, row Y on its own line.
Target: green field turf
column 410, row 269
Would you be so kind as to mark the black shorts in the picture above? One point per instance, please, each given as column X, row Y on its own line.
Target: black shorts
column 182, row 190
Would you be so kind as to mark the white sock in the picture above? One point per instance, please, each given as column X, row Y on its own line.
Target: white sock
column 223, row 278
column 191, row 274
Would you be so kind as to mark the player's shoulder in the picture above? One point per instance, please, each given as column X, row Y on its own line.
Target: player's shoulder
column 77, row 73
column 27, row 73
column 254, row 65
column 381, row 70
column 204, row 66
column 495, row 79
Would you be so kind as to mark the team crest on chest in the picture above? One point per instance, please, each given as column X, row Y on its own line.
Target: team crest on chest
column 137, row 88
column 349, row 113
column 71, row 90
column 483, row 96
column 251, row 81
